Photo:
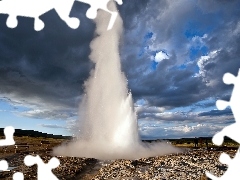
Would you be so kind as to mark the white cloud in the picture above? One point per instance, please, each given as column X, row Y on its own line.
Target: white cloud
column 202, row 62
column 194, row 130
column 160, row 56
column 180, row 131
column 55, row 126
column 236, row 31
column 47, row 114
column 182, row 124
column 183, row 117
column 38, row 108
column 198, row 41
column 140, row 102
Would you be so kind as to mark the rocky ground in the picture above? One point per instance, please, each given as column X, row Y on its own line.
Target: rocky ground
column 69, row 167
column 191, row 165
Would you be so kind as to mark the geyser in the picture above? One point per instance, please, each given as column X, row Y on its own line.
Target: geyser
column 107, row 126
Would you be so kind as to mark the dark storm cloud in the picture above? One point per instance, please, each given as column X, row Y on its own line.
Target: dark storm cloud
column 169, row 85
column 216, row 113
column 129, row 11
column 46, row 70
column 165, row 86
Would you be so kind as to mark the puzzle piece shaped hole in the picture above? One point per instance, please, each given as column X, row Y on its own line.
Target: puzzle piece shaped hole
column 8, row 133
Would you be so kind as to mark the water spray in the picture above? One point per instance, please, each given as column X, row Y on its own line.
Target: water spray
column 107, row 126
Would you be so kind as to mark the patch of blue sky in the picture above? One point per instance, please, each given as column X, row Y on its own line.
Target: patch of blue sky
column 8, row 106
column 10, row 116
column 195, row 27
column 11, row 119
column 145, row 46
column 193, row 31
column 20, row 122
column 154, row 65
column 196, row 52
column 148, row 35
column 182, row 66
column 5, row 106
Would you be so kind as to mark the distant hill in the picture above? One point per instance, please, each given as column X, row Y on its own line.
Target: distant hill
column 188, row 139
column 32, row 133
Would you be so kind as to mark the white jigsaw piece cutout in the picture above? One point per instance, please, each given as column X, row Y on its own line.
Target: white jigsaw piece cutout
column 3, row 165
column 231, row 131
column 8, row 133
column 36, row 8
column 18, row 176
column 8, row 141
column 44, row 169
column 232, row 172
column 101, row 4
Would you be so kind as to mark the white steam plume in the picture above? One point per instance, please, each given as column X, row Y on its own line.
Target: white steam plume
column 107, row 122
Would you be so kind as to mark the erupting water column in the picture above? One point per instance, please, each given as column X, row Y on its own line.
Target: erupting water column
column 106, row 112
column 107, row 126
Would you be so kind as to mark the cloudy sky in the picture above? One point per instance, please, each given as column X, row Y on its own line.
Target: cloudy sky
column 173, row 53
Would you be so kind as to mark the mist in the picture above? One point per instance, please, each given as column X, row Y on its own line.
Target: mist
column 107, row 126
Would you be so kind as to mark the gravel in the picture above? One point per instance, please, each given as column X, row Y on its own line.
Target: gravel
column 190, row 165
